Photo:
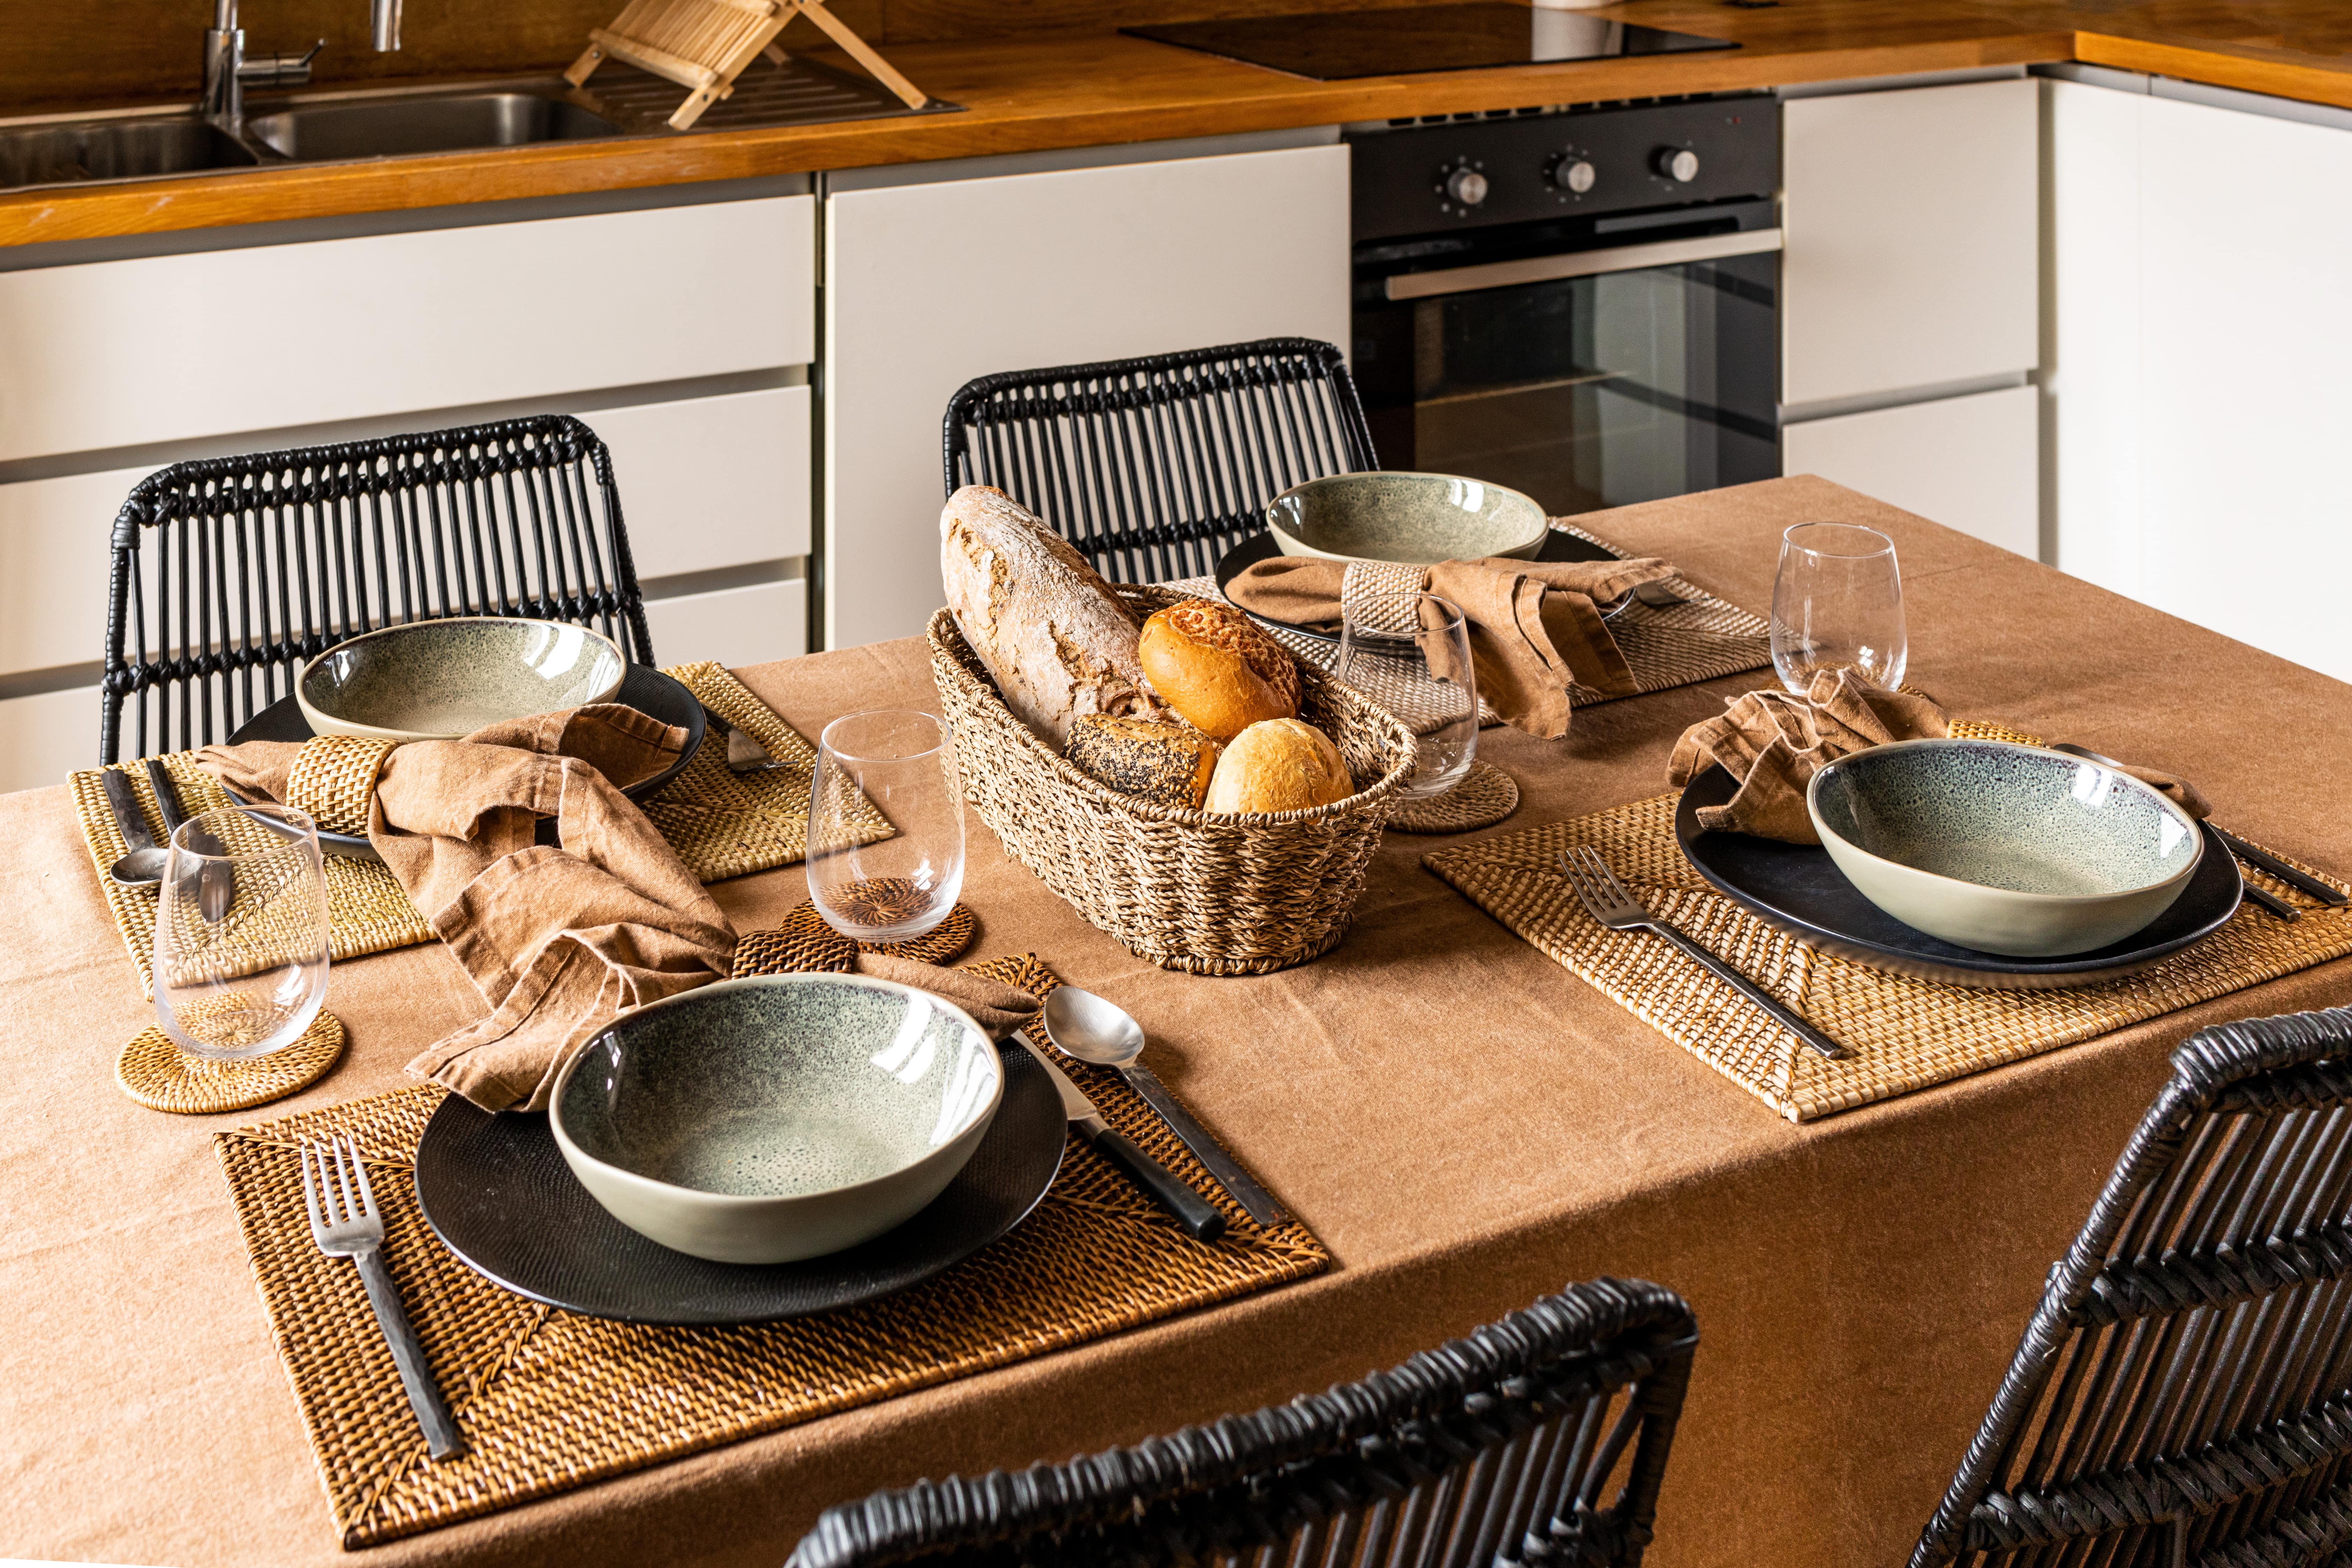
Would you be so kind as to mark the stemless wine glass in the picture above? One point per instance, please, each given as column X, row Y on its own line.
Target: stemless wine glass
column 890, row 768
column 1837, row 604
column 1410, row 653
column 241, row 931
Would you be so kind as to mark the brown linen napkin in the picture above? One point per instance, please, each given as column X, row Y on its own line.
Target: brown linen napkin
column 559, row 939
column 1534, row 626
column 1772, row 741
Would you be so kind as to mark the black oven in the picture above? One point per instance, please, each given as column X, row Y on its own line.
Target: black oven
column 1581, row 304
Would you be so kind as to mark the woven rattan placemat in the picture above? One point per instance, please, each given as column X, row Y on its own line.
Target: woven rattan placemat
column 549, row 1400
column 1899, row 1034
column 366, row 910
column 1699, row 640
column 720, row 823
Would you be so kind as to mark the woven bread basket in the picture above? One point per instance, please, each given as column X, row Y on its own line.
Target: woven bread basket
column 1207, row 894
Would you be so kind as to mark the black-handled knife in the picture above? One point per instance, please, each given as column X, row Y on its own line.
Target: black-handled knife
column 1172, row 1194
column 217, row 881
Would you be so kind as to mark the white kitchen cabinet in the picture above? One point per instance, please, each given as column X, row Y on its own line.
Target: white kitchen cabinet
column 1911, row 221
column 56, row 552
column 172, row 348
column 1971, row 463
column 734, row 626
column 45, row 737
column 711, row 482
column 929, row 285
column 2203, row 264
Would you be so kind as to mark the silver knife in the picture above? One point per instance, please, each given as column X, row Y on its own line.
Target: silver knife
column 1172, row 1194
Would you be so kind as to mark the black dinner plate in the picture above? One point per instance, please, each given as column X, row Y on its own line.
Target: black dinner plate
column 495, row 1191
column 643, row 687
column 1558, row 545
column 1799, row 888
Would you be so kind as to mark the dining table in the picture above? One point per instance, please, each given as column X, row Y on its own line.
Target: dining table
column 1463, row 1124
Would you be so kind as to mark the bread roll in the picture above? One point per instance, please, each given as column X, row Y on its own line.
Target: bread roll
column 1058, row 641
column 1279, row 765
column 1215, row 667
column 1166, row 764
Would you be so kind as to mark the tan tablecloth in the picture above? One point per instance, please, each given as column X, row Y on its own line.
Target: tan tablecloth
column 1466, row 1124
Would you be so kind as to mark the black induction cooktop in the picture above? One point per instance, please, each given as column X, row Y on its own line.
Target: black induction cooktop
column 1334, row 46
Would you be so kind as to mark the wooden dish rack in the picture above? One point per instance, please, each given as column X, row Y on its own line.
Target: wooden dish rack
column 704, row 44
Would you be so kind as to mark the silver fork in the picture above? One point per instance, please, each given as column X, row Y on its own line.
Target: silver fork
column 345, row 1222
column 1610, row 903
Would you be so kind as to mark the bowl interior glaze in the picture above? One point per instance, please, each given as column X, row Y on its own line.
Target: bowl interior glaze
column 1411, row 519
column 452, row 677
column 761, row 1090
column 2008, row 816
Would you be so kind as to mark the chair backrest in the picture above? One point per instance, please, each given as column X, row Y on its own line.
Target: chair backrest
column 2183, row 1393
column 229, row 573
column 1498, row 1449
column 1154, row 468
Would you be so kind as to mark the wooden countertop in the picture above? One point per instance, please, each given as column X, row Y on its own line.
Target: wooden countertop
column 1065, row 89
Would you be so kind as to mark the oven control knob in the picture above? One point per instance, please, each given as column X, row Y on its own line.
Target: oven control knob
column 1676, row 163
column 1575, row 174
column 1467, row 186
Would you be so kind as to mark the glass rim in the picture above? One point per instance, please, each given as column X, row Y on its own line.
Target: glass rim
column 1456, row 617
column 269, row 812
column 1788, row 539
column 946, row 733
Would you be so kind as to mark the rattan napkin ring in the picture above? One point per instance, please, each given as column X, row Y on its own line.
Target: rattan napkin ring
column 332, row 781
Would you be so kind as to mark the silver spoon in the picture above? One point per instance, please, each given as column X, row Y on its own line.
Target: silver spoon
column 1084, row 1026
column 143, row 864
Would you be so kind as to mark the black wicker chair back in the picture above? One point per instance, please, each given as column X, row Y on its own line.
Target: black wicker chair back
column 1153, row 468
column 2184, row 1391
column 229, row 573
column 1498, row 1449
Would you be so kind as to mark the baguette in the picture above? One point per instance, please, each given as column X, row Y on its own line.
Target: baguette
column 1058, row 642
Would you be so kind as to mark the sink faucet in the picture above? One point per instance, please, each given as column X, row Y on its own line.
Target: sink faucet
column 227, row 68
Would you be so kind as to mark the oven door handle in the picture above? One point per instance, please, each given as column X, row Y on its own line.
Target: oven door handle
column 1581, row 264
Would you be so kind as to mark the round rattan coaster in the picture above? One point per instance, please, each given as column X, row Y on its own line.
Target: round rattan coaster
column 159, row 1075
column 805, row 943
column 1486, row 795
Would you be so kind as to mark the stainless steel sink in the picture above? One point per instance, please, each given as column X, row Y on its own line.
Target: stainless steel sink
column 440, row 124
column 80, row 151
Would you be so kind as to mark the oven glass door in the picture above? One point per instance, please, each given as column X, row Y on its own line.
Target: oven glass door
column 1584, row 392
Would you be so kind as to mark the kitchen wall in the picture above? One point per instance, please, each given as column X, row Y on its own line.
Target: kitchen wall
column 71, row 55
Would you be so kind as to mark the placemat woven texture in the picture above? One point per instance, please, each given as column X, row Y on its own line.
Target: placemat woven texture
column 1697, row 640
column 550, row 1400
column 721, row 824
column 1899, row 1034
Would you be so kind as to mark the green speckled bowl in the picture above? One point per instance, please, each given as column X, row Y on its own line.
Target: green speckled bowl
column 436, row 681
column 2004, row 848
column 778, row 1117
column 1414, row 519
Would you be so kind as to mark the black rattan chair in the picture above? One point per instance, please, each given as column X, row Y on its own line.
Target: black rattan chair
column 1153, row 468
column 230, row 572
column 1496, row 1449
column 2184, row 1391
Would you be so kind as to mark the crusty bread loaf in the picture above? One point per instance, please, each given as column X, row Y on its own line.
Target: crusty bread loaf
column 1217, row 667
column 1057, row 640
column 1164, row 764
column 1279, row 765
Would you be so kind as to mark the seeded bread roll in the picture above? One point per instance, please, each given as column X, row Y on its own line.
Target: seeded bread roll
column 1217, row 669
column 1279, row 765
column 1166, row 764
column 1057, row 640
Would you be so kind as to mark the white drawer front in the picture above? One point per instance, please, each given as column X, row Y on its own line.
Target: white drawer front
column 734, row 626
column 708, row 482
column 118, row 353
column 1912, row 239
column 1971, row 463
column 44, row 737
column 55, row 555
